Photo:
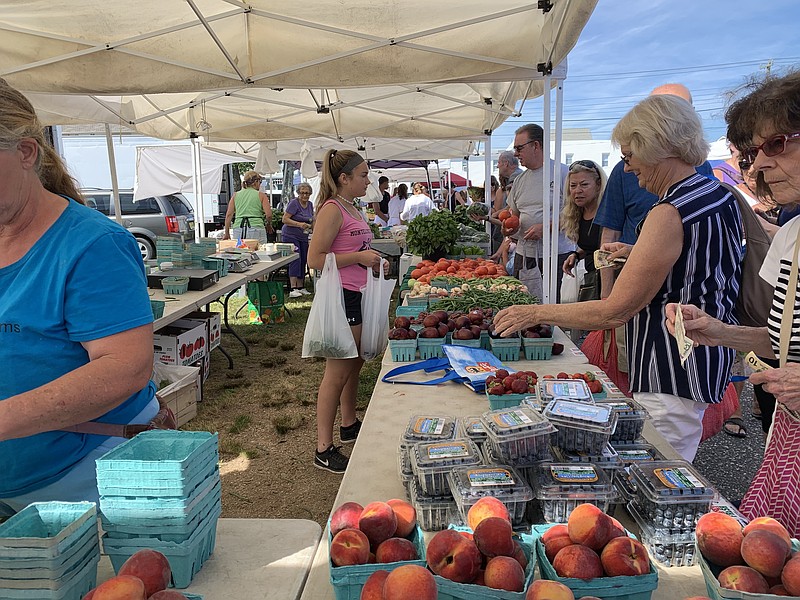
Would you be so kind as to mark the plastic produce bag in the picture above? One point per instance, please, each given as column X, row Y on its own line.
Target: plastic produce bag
column 375, row 299
column 571, row 285
column 327, row 333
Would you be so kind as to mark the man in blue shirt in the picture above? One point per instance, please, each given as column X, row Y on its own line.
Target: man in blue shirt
column 625, row 205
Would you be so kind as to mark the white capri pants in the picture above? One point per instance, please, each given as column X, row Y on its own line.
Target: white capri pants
column 679, row 420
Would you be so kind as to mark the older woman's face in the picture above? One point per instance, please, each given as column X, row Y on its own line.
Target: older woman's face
column 583, row 188
column 782, row 171
column 644, row 173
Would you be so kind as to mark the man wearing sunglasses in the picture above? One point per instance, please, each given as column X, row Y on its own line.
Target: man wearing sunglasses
column 525, row 201
column 625, row 205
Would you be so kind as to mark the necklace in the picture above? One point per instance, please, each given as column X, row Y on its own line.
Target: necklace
column 343, row 199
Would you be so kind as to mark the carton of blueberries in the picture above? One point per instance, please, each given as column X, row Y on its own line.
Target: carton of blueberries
column 630, row 419
column 581, row 427
column 669, row 549
column 433, row 512
column 576, row 390
column 518, row 433
column 404, row 468
column 472, row 428
column 423, row 428
column 670, row 494
column 431, row 461
column 470, row 484
column 560, row 487
column 607, row 460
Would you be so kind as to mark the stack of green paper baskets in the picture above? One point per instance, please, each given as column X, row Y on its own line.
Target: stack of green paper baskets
column 161, row 490
column 49, row 551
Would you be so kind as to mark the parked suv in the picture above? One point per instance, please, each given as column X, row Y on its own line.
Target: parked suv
column 147, row 218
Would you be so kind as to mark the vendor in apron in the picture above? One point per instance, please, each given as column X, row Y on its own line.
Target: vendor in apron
column 251, row 209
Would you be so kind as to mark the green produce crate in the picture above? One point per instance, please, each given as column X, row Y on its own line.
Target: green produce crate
column 638, row 587
column 157, row 306
column 421, row 301
column 538, row 348
column 430, row 347
column 507, row 400
column 467, row 343
column 506, row 349
column 403, row 350
column 411, row 311
column 175, row 286
column 485, row 343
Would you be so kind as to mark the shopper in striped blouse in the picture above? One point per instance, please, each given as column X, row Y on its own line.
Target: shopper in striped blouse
column 689, row 251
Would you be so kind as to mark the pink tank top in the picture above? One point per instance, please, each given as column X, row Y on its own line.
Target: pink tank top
column 354, row 236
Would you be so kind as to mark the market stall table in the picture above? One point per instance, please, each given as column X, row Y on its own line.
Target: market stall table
column 373, row 475
column 253, row 558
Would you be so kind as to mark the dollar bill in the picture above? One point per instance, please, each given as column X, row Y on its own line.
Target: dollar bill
column 685, row 344
column 755, row 363
column 601, row 260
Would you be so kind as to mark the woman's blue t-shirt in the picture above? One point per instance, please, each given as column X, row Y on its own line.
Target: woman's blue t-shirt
column 82, row 280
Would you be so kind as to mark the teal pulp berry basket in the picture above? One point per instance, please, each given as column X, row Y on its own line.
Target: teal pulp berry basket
column 421, row 301
column 467, row 343
column 430, row 347
column 157, row 306
column 506, row 349
column 403, row 350
column 174, row 285
column 538, row 348
column 485, row 340
column 634, row 587
column 411, row 311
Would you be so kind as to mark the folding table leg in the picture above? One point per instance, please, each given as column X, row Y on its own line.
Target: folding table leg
column 228, row 328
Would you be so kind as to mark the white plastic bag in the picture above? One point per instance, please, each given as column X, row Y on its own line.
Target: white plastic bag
column 327, row 333
column 571, row 285
column 530, row 278
column 375, row 299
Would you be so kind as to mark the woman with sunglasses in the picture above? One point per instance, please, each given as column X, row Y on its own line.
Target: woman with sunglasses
column 689, row 250
column 297, row 221
column 585, row 184
column 766, row 125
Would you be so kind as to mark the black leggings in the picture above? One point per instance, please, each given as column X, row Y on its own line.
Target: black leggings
column 766, row 401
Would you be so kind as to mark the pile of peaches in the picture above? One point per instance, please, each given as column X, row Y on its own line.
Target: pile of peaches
column 757, row 559
column 144, row 576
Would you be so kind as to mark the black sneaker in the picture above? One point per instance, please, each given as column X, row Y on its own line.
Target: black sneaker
column 331, row 460
column 349, row 434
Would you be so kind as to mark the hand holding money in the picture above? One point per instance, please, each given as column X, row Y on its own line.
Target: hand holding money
column 603, row 260
column 685, row 344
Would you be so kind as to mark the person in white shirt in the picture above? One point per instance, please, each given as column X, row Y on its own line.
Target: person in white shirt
column 397, row 204
column 416, row 205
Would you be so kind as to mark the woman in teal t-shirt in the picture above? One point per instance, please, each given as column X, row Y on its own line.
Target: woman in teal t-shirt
column 251, row 209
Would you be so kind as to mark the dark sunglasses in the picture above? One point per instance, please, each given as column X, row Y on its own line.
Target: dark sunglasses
column 772, row 146
column 586, row 164
column 519, row 148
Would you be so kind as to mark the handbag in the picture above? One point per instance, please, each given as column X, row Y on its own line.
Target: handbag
column 375, row 299
column 775, row 490
column 327, row 333
column 755, row 294
column 590, row 288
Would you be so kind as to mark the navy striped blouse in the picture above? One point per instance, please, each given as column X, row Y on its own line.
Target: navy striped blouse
column 706, row 274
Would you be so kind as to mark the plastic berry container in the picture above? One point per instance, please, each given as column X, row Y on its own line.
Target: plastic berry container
column 560, row 487
column 433, row 512
column 518, row 433
column 470, row 484
column 637, row 452
column 670, row 494
column 607, row 460
column 582, row 427
column 668, row 549
column 404, row 468
column 630, row 419
column 428, row 428
column 432, row 461
column 575, row 390
column 472, row 428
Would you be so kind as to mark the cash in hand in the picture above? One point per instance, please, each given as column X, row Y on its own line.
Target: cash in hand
column 685, row 344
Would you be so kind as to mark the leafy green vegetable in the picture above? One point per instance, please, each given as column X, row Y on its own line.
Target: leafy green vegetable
column 376, row 231
column 462, row 218
column 478, row 209
column 430, row 234
column 277, row 219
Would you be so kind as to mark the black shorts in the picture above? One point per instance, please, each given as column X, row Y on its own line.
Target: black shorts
column 352, row 307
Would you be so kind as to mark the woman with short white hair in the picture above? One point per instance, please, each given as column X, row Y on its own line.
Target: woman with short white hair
column 689, row 251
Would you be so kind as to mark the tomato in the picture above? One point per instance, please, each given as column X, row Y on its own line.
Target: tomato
column 562, row 375
column 481, row 271
column 504, row 214
column 491, row 269
column 451, row 270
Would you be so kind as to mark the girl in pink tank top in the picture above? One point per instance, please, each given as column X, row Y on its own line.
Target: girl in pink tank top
column 342, row 230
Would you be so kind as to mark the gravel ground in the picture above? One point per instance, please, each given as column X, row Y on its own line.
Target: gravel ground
column 728, row 462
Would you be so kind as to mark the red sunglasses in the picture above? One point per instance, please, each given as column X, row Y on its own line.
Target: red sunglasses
column 772, row 146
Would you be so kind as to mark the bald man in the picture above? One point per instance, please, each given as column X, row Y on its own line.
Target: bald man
column 625, row 204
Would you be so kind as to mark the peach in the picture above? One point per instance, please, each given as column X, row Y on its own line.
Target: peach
column 790, row 577
column 121, row 587
column 554, row 539
column 617, row 530
column 346, row 517
column 396, row 549
column 625, row 556
column 410, row 582
column 373, row 586
column 494, row 537
column 453, row 556
column 769, row 524
column 589, row 526
column 519, row 555
column 778, row 590
column 504, row 573
column 719, row 538
column 168, row 595
column 743, row 579
column 578, row 561
column 151, row 567
column 406, row 516
column 544, row 589
column 485, row 507
column 765, row 551
column 349, row 547
column 378, row 522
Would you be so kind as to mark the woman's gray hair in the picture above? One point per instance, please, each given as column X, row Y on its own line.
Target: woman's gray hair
column 661, row 127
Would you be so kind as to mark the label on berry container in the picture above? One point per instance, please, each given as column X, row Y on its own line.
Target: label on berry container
column 448, row 450
column 678, row 478
column 635, row 455
column 430, row 426
column 490, row 477
column 577, row 474
column 511, row 418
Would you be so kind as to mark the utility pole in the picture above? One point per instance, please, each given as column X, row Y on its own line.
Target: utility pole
column 767, row 67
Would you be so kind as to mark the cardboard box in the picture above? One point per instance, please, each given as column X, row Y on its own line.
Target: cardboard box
column 180, row 343
column 183, row 391
column 204, row 364
column 252, row 244
column 213, row 322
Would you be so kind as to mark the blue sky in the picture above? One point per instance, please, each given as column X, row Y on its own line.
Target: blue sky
column 628, row 47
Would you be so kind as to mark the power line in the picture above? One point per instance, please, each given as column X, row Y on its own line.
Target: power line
column 693, row 69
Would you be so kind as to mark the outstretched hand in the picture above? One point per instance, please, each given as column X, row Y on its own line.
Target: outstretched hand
column 783, row 383
column 701, row 328
column 514, row 318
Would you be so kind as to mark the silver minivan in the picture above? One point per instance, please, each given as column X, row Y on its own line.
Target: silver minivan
column 147, row 218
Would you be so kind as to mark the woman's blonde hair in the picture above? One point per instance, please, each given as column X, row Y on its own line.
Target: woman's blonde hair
column 251, row 177
column 572, row 214
column 334, row 164
column 18, row 120
column 661, row 127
